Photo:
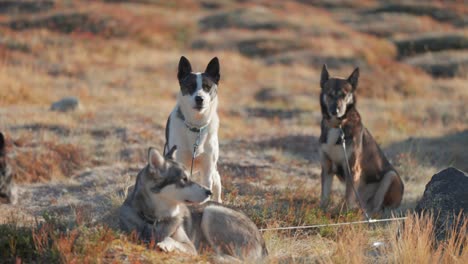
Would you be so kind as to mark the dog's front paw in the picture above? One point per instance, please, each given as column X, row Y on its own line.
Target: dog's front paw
column 167, row 245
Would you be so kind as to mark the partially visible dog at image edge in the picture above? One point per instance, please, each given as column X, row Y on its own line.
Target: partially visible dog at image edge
column 376, row 180
column 166, row 206
column 194, row 121
column 7, row 187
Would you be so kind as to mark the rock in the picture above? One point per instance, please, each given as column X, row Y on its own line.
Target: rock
column 65, row 104
column 442, row 64
column 257, row 18
column 431, row 42
column 446, row 195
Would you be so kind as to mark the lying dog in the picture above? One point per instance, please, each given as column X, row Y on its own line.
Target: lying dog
column 7, row 187
column 166, row 206
column 194, row 121
column 377, row 182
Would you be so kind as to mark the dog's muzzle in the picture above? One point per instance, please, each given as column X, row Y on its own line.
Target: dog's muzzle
column 333, row 112
column 199, row 102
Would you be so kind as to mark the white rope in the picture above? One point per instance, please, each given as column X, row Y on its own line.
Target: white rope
column 370, row 221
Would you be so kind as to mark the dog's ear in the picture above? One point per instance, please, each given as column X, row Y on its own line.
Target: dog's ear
column 212, row 70
column 324, row 76
column 184, row 68
column 353, row 78
column 171, row 154
column 155, row 159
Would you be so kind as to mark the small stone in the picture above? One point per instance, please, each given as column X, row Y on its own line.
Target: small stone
column 65, row 104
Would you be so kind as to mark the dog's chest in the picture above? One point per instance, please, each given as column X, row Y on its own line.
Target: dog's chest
column 187, row 140
column 333, row 150
column 197, row 140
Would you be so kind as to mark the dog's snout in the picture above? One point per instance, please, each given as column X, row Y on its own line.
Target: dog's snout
column 198, row 99
column 209, row 193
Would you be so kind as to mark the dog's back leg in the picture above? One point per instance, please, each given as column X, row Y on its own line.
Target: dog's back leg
column 232, row 233
column 389, row 192
column 394, row 194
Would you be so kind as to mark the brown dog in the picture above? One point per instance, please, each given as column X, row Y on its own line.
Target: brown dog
column 376, row 181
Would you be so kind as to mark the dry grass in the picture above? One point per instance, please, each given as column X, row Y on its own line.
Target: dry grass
column 416, row 243
column 42, row 161
column 22, row 85
column 406, row 242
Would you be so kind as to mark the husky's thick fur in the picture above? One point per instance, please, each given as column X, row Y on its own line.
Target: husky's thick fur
column 194, row 120
column 377, row 182
column 7, row 187
column 166, row 206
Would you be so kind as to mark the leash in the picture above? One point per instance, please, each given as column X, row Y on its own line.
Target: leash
column 195, row 147
column 369, row 221
column 361, row 204
column 198, row 130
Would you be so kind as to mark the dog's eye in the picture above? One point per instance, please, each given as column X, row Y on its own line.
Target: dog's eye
column 184, row 180
column 206, row 88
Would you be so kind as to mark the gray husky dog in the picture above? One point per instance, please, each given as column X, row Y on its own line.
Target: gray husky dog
column 169, row 208
column 377, row 182
column 7, row 187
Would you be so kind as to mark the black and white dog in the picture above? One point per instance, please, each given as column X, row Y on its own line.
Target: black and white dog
column 193, row 124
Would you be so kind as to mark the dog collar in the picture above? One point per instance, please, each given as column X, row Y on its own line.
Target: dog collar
column 151, row 221
column 338, row 122
column 191, row 128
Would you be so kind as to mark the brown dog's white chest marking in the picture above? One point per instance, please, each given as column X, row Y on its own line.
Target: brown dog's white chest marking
column 333, row 150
